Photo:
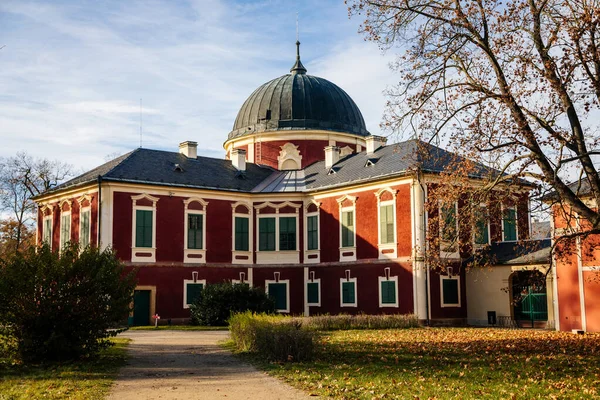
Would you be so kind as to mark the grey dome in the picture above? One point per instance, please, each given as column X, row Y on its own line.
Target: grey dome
column 298, row 101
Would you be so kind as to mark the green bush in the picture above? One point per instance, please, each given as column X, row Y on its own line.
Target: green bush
column 276, row 338
column 59, row 307
column 217, row 302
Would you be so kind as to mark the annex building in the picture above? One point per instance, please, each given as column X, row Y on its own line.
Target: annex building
column 306, row 204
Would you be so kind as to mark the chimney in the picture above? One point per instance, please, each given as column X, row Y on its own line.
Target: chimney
column 332, row 155
column 374, row 142
column 189, row 149
column 238, row 159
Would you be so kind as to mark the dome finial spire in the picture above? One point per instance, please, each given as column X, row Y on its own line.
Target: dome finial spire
column 298, row 68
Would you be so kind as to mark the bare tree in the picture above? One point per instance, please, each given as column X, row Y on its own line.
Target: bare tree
column 511, row 84
column 21, row 178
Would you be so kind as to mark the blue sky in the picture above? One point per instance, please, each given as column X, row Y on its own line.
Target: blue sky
column 72, row 72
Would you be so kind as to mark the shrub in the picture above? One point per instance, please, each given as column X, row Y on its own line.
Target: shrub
column 276, row 338
column 360, row 321
column 218, row 302
column 58, row 307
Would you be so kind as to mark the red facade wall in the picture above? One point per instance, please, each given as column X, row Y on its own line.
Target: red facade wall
column 439, row 312
column 218, row 231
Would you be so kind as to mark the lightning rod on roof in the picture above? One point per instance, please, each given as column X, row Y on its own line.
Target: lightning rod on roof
column 297, row 29
column 140, row 122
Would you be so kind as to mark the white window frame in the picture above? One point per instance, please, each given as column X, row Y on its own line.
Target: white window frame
column 448, row 254
column 474, row 228
column 186, row 282
column 342, row 209
column 278, row 256
column 238, row 256
column 317, row 251
column 384, row 248
column 388, row 278
column 194, row 256
column 514, row 207
column 446, row 277
column 287, row 292
column 347, row 279
column 84, row 209
column 65, row 214
column 318, row 282
column 48, row 217
column 142, row 250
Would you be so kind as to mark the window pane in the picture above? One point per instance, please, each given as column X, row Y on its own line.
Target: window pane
column 347, row 228
column 84, row 234
column 266, row 234
column 48, row 230
column 510, row 224
column 241, row 234
column 450, row 291
column 313, row 233
column 195, row 228
column 287, row 233
column 278, row 291
column 312, row 289
column 348, row 293
column 65, row 229
column 448, row 222
column 193, row 292
column 143, row 229
column 481, row 226
column 388, row 292
column 386, row 224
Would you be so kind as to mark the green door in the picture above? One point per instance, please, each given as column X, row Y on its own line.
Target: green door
column 141, row 307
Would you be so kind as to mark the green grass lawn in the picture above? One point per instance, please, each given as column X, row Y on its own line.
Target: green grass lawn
column 89, row 379
column 179, row 328
column 442, row 363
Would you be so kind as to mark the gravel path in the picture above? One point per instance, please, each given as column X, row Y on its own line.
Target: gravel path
column 191, row 365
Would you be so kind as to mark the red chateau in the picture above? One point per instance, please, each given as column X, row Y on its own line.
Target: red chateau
column 307, row 205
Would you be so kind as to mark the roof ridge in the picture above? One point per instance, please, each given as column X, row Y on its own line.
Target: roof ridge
column 125, row 156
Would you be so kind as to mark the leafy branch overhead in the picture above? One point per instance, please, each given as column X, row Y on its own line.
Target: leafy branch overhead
column 514, row 85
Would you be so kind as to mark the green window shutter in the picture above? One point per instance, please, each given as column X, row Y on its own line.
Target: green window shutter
column 481, row 228
column 193, row 292
column 143, row 229
column 388, row 292
column 266, row 234
column 448, row 217
column 278, row 291
column 312, row 232
column 450, row 291
column 312, row 291
column 348, row 292
column 287, row 233
column 84, row 238
column 347, row 228
column 386, row 224
column 241, row 234
column 48, row 231
column 195, row 231
column 510, row 224
column 65, row 229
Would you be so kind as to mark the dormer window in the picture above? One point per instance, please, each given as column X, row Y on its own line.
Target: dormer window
column 178, row 168
column 371, row 161
column 333, row 170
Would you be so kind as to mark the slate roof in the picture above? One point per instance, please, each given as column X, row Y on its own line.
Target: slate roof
column 174, row 169
column 515, row 253
column 388, row 161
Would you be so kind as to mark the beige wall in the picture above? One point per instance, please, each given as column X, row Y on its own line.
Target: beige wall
column 488, row 290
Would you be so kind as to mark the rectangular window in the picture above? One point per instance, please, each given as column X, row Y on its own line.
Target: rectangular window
column 192, row 292
column 312, row 229
column 143, row 228
column 349, row 292
column 65, row 229
column 47, row 227
column 287, row 233
column 195, row 231
column 312, row 292
column 266, row 234
column 509, row 224
column 388, row 292
column 450, row 292
column 242, row 234
column 481, row 236
column 84, row 228
column 448, row 222
column 278, row 292
column 386, row 224
column 348, row 228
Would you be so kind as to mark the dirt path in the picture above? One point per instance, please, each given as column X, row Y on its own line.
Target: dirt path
column 191, row 365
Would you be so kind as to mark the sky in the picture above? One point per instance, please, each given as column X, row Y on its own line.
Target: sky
column 72, row 73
